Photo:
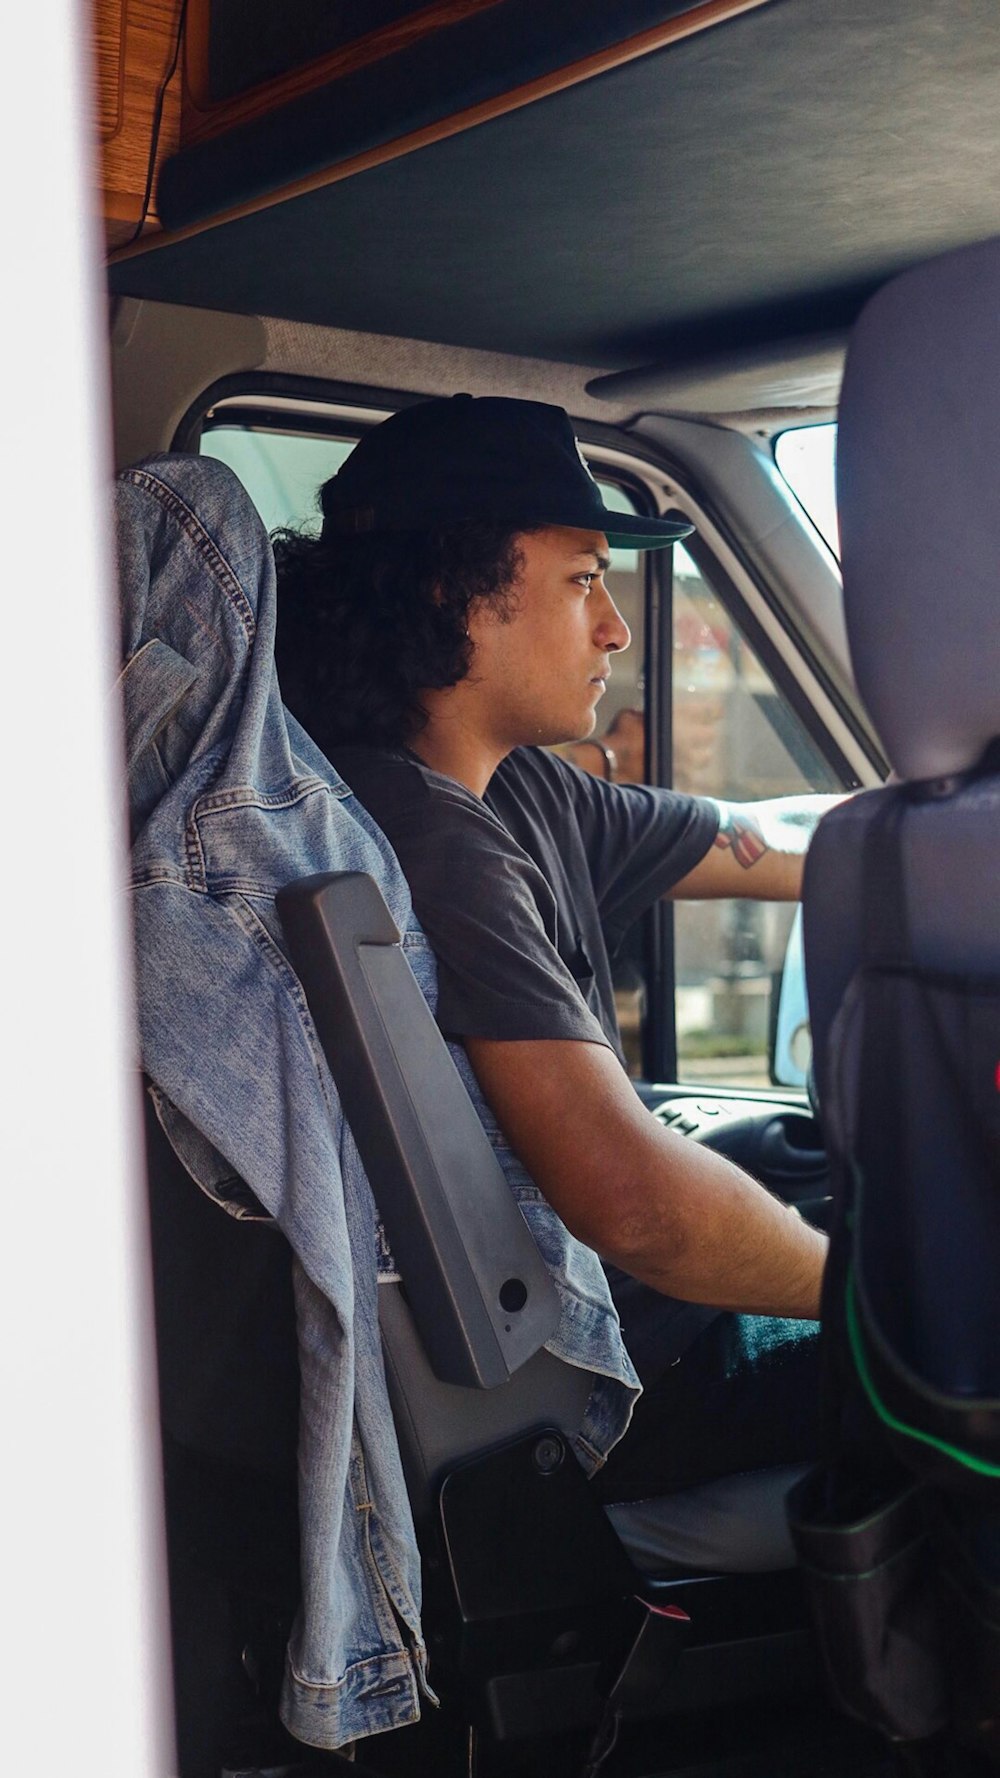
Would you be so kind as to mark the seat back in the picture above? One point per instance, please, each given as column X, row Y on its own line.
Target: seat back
column 918, row 443
column 228, row 1371
column 902, row 947
column 899, row 876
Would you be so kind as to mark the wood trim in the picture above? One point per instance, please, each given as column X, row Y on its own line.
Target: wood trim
column 134, row 41
column 702, row 17
column 203, row 119
column 109, row 74
column 196, row 34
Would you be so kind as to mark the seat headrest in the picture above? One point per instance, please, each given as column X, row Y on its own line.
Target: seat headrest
column 918, row 484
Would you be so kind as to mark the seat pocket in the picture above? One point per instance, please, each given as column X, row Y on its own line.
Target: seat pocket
column 869, row 1577
column 966, row 1544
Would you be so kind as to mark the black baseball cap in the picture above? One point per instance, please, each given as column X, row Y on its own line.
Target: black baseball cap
column 485, row 457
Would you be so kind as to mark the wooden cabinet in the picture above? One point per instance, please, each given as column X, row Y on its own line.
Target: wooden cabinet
column 214, row 88
column 135, row 42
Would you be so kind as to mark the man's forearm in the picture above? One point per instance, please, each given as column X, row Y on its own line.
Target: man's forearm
column 759, row 850
column 673, row 1213
column 706, row 1232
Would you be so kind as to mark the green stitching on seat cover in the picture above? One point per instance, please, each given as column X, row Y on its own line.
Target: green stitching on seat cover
column 978, row 1464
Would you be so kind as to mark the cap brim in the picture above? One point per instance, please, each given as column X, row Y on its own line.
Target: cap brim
column 636, row 531
column 623, row 530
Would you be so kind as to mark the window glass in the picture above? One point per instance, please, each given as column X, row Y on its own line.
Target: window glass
column 280, row 471
column 735, row 738
column 807, row 458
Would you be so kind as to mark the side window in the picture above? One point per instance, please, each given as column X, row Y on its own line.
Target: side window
column 280, row 471
column 734, row 737
column 807, row 458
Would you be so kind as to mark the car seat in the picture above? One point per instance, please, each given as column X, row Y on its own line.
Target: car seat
column 531, row 1625
column 899, row 1530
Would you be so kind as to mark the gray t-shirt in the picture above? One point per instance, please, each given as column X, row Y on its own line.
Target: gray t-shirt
column 526, row 894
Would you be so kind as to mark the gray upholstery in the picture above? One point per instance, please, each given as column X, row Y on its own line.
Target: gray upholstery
column 438, row 1424
column 735, row 1525
column 917, row 475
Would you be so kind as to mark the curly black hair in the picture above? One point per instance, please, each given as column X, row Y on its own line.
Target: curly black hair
column 366, row 623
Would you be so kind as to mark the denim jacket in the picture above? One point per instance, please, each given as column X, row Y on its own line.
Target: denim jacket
column 229, row 800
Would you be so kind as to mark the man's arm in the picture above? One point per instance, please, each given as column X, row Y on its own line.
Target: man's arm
column 759, row 851
column 674, row 1214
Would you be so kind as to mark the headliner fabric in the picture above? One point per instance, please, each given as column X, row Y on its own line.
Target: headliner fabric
column 756, row 182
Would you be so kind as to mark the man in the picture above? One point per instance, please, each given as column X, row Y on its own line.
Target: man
column 450, row 623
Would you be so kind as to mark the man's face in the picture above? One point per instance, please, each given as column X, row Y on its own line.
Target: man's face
column 539, row 671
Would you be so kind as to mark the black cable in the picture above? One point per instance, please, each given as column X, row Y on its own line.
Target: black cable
column 157, row 121
column 604, row 1742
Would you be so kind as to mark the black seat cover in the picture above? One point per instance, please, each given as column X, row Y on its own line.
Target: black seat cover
column 900, row 902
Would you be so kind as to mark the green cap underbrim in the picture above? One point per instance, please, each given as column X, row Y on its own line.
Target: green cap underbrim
column 669, row 531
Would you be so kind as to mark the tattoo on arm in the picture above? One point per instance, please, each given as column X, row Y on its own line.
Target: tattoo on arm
column 742, row 833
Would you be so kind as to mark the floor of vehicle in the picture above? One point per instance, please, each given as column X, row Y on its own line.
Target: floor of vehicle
column 804, row 1739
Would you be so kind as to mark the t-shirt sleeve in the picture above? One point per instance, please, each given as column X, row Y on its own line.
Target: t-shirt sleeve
column 484, row 906
column 640, row 841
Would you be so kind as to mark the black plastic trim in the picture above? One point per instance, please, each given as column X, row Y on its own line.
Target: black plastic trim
column 456, row 1232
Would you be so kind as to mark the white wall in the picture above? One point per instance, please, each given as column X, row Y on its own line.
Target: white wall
column 84, row 1662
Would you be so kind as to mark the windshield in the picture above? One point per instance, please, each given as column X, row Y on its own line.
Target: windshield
column 807, row 457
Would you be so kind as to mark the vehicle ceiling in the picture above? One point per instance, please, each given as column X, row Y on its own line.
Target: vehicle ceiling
column 714, row 209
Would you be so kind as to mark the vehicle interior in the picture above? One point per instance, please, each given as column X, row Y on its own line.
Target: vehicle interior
column 665, row 218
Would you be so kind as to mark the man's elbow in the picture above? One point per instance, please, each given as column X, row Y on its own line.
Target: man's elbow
column 630, row 1230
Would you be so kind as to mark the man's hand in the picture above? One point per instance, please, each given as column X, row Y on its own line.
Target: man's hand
column 667, row 1210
